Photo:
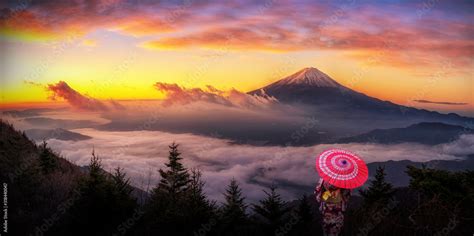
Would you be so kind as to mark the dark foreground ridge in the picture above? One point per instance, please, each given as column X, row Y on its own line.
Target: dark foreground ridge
column 47, row 195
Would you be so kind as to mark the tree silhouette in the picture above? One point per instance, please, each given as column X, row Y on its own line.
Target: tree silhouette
column 197, row 208
column 104, row 201
column 96, row 174
column 175, row 179
column 122, row 195
column 91, row 209
column 379, row 190
column 167, row 209
column 121, row 182
column 304, row 217
column 47, row 160
column 232, row 212
column 196, row 186
column 446, row 200
column 233, row 209
column 271, row 210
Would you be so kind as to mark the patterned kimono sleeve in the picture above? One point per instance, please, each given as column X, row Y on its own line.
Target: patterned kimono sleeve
column 318, row 190
column 346, row 195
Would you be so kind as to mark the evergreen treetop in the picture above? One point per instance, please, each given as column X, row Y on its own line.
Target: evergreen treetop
column 175, row 179
column 379, row 190
column 47, row 160
column 234, row 206
column 272, row 208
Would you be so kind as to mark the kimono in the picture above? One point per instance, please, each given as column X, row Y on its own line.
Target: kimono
column 333, row 202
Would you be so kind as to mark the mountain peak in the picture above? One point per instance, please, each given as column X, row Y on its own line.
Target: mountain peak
column 309, row 76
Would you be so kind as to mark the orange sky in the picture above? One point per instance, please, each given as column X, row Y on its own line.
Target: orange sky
column 398, row 51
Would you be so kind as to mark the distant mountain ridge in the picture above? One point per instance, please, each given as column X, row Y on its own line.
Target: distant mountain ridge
column 59, row 133
column 430, row 133
column 397, row 176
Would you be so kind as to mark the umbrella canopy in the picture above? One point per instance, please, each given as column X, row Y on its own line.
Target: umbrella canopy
column 341, row 168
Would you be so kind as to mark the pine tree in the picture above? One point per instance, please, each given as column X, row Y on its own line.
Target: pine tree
column 196, row 207
column 304, row 210
column 233, row 220
column 121, row 182
column 47, row 160
column 272, row 209
column 96, row 174
column 195, row 198
column 122, row 190
column 379, row 190
column 167, row 209
column 122, row 204
column 233, row 209
column 175, row 180
column 92, row 208
column 304, row 216
column 195, row 190
column 105, row 201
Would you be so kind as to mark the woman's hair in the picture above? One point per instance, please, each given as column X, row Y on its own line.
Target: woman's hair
column 329, row 186
column 332, row 187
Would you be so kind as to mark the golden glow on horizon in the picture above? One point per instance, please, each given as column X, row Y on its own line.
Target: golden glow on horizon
column 132, row 77
column 26, row 35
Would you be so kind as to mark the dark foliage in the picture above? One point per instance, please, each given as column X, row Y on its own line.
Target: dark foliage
column 178, row 200
column 446, row 201
column 303, row 219
column 47, row 159
column 175, row 180
column 102, row 202
column 233, row 211
column 379, row 191
column 271, row 211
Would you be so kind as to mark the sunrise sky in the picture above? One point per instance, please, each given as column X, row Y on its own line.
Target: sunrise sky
column 400, row 51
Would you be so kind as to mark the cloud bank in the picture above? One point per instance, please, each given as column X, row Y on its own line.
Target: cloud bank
column 180, row 95
column 142, row 151
column 292, row 168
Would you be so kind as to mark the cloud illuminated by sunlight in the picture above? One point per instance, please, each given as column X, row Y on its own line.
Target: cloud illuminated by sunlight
column 180, row 95
column 79, row 101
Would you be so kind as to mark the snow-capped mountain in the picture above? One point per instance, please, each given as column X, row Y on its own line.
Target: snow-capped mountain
column 311, row 86
column 308, row 76
column 343, row 112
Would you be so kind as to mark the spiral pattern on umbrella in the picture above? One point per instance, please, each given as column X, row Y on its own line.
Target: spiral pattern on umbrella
column 342, row 168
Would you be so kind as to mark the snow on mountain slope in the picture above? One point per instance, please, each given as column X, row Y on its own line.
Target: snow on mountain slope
column 308, row 76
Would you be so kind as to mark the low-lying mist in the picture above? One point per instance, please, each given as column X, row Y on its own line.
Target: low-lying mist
column 142, row 153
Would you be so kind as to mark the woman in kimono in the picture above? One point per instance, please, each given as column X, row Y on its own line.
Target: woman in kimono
column 333, row 203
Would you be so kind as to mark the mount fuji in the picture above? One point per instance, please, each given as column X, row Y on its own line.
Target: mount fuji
column 343, row 112
column 306, row 77
column 313, row 87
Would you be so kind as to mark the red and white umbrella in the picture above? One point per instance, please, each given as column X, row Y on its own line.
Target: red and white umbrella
column 342, row 169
